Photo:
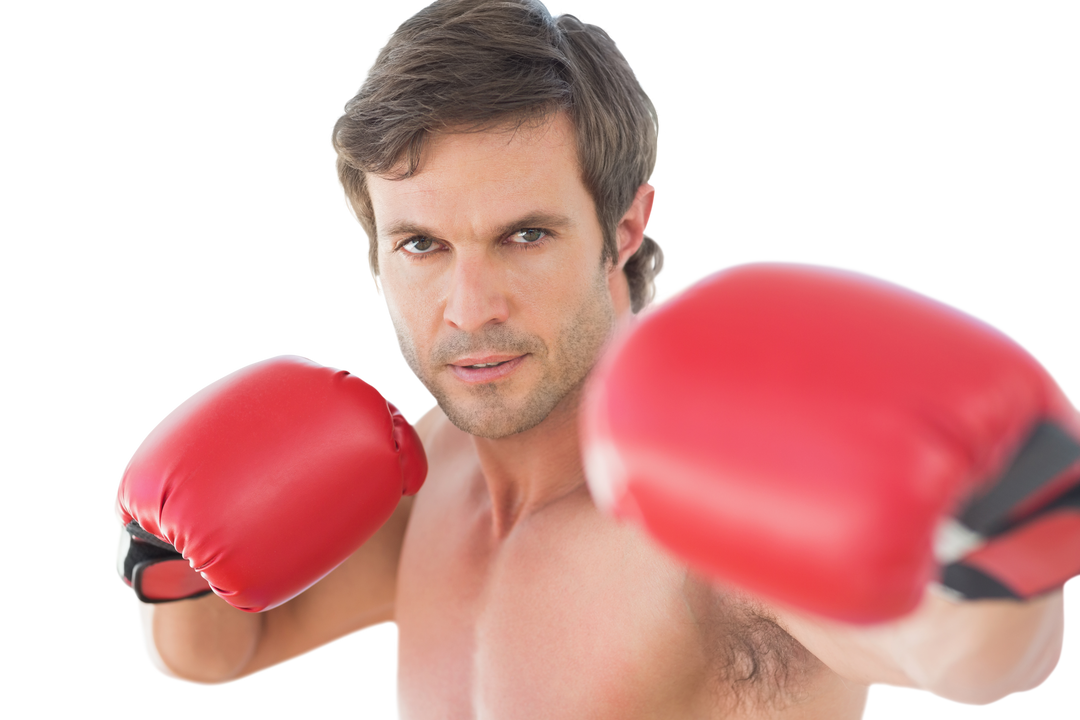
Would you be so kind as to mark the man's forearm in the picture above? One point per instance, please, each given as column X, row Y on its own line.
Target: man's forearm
column 981, row 651
column 203, row 640
column 972, row 652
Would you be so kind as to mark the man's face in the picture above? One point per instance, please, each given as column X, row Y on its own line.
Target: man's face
column 490, row 259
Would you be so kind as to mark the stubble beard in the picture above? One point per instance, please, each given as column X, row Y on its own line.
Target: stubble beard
column 488, row 411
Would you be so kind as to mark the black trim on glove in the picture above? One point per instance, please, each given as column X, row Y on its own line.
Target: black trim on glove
column 1047, row 458
column 139, row 551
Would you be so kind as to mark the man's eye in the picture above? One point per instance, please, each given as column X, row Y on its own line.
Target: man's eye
column 531, row 238
column 530, row 234
column 419, row 246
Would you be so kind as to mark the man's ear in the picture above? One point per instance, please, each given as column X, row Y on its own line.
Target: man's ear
column 631, row 228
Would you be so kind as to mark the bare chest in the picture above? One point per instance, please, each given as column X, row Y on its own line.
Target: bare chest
column 572, row 615
column 569, row 616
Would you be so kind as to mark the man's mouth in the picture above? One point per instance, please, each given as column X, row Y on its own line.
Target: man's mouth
column 484, row 360
column 485, row 369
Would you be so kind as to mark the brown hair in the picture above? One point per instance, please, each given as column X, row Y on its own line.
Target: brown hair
column 477, row 64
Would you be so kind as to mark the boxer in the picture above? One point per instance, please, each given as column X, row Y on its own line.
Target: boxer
column 498, row 159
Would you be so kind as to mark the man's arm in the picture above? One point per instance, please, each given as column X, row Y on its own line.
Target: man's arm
column 208, row 640
column 851, row 442
column 972, row 652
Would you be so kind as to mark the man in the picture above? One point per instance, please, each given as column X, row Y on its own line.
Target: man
column 498, row 159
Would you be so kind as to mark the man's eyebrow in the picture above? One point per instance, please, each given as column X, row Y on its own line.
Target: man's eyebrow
column 545, row 220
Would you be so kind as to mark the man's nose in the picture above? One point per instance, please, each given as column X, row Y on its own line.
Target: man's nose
column 476, row 295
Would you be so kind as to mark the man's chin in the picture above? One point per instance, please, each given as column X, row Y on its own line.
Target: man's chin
column 495, row 419
column 491, row 425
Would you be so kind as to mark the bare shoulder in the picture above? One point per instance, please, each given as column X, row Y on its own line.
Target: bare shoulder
column 434, row 431
column 429, row 423
column 444, row 444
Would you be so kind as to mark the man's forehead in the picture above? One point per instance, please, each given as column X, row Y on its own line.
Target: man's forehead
column 494, row 175
column 461, row 149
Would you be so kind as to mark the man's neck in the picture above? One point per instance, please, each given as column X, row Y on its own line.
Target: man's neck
column 529, row 470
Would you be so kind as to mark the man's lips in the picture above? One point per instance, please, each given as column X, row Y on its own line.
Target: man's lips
column 485, row 375
column 483, row 360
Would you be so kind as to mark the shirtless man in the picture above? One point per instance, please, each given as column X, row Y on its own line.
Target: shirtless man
column 498, row 160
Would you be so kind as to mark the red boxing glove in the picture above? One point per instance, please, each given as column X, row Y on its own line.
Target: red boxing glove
column 834, row 443
column 263, row 483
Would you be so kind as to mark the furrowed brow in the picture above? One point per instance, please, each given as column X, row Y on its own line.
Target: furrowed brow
column 549, row 221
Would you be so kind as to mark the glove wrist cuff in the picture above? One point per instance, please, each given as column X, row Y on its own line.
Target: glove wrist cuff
column 1020, row 537
column 154, row 570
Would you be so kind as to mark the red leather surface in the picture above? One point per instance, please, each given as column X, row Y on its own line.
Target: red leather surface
column 800, row 431
column 269, row 478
